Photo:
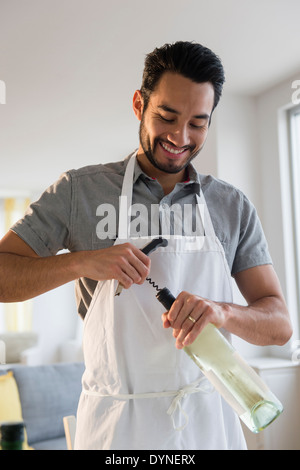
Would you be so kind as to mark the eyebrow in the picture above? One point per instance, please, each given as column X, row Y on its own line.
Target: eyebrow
column 167, row 108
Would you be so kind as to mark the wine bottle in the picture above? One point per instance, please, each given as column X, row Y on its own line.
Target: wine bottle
column 230, row 374
column 12, row 435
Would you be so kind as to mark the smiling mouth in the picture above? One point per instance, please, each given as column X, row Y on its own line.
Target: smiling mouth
column 172, row 150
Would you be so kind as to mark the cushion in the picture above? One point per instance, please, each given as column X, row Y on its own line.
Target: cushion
column 10, row 405
column 48, row 393
column 59, row 443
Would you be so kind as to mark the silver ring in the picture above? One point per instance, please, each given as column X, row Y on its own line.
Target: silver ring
column 192, row 319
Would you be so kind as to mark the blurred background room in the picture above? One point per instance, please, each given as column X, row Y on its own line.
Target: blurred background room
column 68, row 72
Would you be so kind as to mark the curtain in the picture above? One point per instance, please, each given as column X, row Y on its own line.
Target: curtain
column 17, row 316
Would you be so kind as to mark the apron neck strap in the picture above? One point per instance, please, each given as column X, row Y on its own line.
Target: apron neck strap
column 205, row 215
column 125, row 204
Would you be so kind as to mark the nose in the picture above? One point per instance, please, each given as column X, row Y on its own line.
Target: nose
column 179, row 137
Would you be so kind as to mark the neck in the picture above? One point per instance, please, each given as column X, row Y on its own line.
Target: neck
column 167, row 180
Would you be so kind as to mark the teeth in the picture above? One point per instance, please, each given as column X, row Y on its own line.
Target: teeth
column 169, row 149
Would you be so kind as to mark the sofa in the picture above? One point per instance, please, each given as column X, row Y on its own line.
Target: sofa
column 42, row 396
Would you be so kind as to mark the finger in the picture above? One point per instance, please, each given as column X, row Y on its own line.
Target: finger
column 185, row 305
column 191, row 324
column 210, row 314
column 142, row 256
column 131, row 272
column 166, row 323
column 194, row 332
column 122, row 277
column 176, row 333
column 176, row 309
column 141, row 263
column 135, row 264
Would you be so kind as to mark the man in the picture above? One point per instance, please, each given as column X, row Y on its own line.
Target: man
column 134, row 375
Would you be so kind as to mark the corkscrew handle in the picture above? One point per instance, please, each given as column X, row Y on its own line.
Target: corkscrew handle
column 154, row 244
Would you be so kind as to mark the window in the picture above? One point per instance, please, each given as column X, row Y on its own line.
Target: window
column 14, row 317
column 294, row 138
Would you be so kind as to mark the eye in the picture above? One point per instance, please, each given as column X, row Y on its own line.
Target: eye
column 164, row 119
column 194, row 126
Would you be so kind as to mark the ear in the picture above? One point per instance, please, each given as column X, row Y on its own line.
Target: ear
column 138, row 104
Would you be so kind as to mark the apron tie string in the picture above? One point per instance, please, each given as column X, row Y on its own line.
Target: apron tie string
column 194, row 387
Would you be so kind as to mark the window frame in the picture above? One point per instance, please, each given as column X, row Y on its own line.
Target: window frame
column 293, row 118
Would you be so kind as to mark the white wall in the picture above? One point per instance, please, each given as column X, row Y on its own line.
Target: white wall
column 234, row 157
column 276, row 204
column 239, row 164
column 238, row 152
column 247, row 149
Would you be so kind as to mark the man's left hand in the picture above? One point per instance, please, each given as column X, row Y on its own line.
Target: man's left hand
column 189, row 314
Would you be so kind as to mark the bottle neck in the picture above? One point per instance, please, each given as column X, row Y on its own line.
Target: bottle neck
column 166, row 298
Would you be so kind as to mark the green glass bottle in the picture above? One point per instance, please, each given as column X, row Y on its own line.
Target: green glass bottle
column 12, row 435
column 234, row 379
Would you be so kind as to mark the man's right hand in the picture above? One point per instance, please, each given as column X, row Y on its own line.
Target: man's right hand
column 24, row 275
column 125, row 263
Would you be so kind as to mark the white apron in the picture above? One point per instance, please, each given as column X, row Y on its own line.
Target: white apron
column 139, row 391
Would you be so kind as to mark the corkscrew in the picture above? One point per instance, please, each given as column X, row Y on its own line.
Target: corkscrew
column 165, row 297
column 149, row 248
column 153, row 283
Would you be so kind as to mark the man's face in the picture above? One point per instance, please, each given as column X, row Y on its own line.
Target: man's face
column 175, row 124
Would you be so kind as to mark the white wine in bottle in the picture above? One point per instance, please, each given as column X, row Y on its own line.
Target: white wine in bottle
column 234, row 379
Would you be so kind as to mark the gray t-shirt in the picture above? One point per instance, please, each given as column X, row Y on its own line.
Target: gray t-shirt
column 67, row 216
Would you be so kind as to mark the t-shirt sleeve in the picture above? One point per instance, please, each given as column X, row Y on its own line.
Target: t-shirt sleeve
column 252, row 249
column 45, row 226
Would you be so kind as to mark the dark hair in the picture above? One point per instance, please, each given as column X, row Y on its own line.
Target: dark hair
column 192, row 60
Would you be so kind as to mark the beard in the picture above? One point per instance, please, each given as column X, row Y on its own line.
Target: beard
column 169, row 167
